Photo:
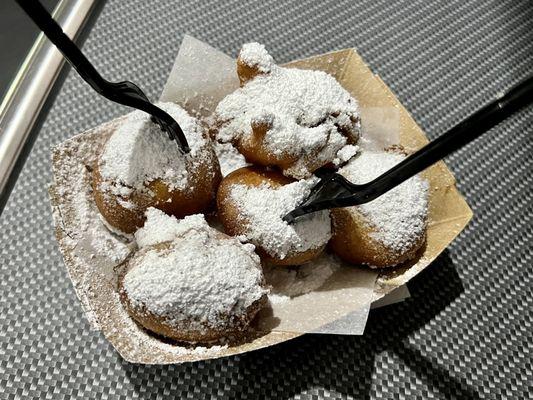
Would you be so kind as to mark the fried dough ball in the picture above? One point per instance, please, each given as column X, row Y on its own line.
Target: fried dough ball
column 390, row 229
column 191, row 283
column 140, row 167
column 297, row 120
column 251, row 202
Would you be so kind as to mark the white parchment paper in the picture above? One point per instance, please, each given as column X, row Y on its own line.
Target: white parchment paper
column 200, row 78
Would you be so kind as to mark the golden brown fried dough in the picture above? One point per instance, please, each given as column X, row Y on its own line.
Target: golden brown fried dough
column 387, row 231
column 236, row 222
column 179, row 184
column 353, row 241
column 201, row 287
column 296, row 120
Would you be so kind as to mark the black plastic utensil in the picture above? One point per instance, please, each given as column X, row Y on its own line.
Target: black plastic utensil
column 333, row 190
column 125, row 93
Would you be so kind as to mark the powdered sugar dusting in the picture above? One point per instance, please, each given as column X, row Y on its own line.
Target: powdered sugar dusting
column 264, row 206
column 198, row 279
column 399, row 216
column 345, row 154
column 255, row 55
column 107, row 244
column 73, row 185
column 294, row 281
column 307, row 113
column 139, row 152
column 160, row 227
column 274, row 298
column 229, row 158
column 90, row 250
column 184, row 351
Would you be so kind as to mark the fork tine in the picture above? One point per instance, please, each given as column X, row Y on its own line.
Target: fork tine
column 170, row 126
column 325, row 194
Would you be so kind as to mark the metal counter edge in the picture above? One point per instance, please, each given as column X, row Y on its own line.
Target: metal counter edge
column 32, row 84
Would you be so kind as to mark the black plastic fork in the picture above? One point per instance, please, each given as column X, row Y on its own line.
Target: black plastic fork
column 125, row 93
column 333, row 190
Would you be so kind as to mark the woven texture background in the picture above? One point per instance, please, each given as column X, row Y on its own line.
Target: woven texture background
column 467, row 330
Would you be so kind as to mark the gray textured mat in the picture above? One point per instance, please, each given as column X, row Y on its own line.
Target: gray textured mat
column 467, row 330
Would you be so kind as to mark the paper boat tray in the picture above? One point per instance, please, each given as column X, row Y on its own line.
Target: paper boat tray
column 94, row 277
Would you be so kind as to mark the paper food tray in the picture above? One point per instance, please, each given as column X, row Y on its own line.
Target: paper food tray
column 91, row 252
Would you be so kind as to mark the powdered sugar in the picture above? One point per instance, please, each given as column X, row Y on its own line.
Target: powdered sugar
column 160, row 227
column 90, row 250
column 399, row 216
column 345, row 154
column 106, row 244
column 307, row 112
column 298, row 280
column 229, row 158
column 274, row 298
column 255, row 55
column 73, row 185
column 196, row 351
column 198, row 278
column 139, row 152
column 264, row 206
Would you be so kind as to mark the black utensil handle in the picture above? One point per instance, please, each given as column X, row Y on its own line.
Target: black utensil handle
column 36, row 11
column 457, row 137
column 135, row 98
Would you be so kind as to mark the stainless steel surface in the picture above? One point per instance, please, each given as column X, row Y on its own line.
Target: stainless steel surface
column 28, row 92
column 17, row 35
